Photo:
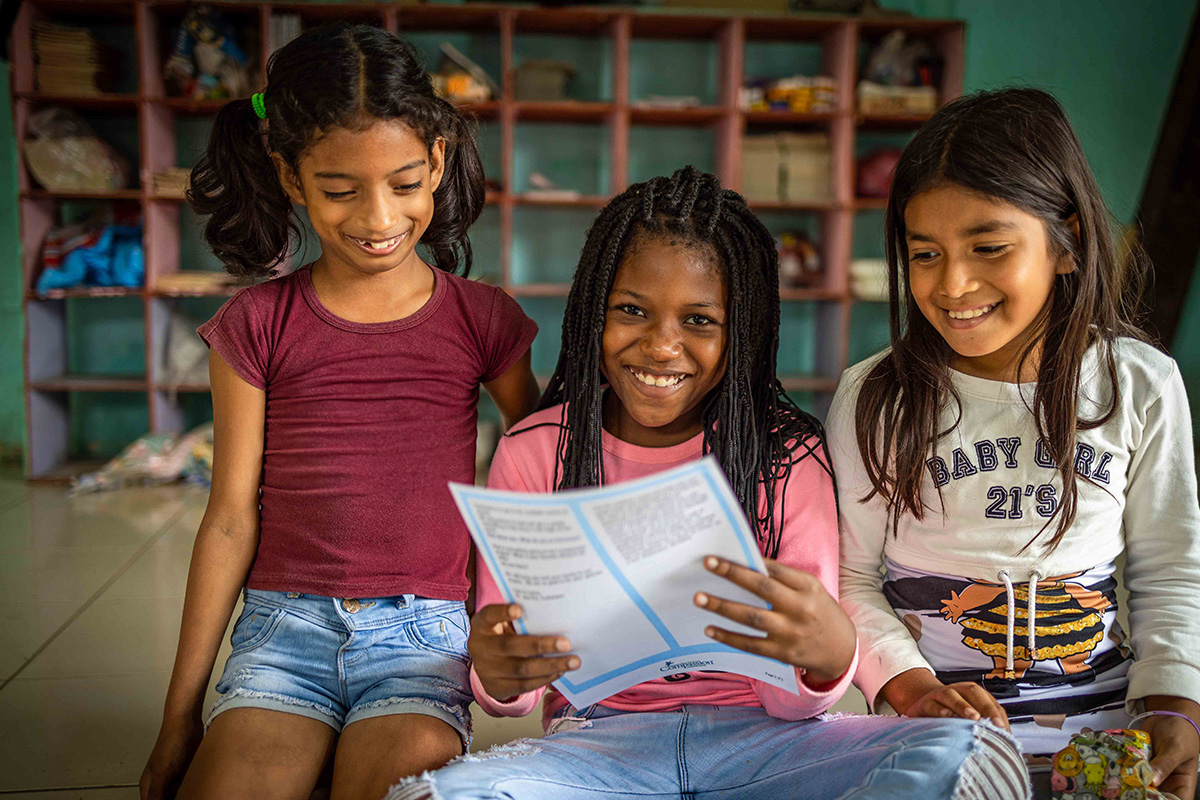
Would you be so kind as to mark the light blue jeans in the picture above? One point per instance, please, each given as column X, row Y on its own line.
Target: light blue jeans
column 728, row 753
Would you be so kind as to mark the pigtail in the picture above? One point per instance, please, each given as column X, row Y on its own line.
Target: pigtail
column 459, row 198
column 250, row 224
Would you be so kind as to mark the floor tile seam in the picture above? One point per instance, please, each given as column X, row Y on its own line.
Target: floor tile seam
column 87, row 788
column 4, row 509
column 75, row 676
column 96, row 595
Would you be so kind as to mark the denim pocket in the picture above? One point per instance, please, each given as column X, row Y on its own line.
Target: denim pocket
column 254, row 627
column 444, row 633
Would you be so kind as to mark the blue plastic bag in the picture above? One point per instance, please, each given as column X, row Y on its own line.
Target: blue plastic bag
column 117, row 259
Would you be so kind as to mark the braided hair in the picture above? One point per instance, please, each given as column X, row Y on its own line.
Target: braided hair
column 749, row 423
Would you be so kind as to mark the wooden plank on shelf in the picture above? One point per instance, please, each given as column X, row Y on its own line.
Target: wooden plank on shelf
column 187, row 106
column 586, row 22
column 808, row 383
column 698, row 115
column 88, row 102
column 488, row 110
column 90, row 383
column 787, row 119
column 780, row 205
column 680, row 25
column 539, row 289
column 442, row 17
column 51, row 194
column 184, row 388
column 563, row 111
column 335, row 12
column 797, row 27
column 86, row 292
column 120, row 9
column 554, row 200
column 874, row 27
column 810, row 294
column 891, row 121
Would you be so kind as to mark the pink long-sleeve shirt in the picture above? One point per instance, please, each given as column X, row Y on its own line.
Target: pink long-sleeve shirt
column 524, row 462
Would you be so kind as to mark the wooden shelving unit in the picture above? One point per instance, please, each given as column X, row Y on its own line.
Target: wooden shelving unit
column 841, row 41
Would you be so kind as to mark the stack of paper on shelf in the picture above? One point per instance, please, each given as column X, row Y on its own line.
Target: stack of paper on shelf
column 192, row 282
column 171, row 182
column 69, row 60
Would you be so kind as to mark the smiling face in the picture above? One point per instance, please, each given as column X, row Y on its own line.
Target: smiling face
column 664, row 341
column 369, row 193
column 981, row 271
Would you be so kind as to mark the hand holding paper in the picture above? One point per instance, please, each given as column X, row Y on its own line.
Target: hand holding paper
column 614, row 571
column 509, row 663
column 797, row 623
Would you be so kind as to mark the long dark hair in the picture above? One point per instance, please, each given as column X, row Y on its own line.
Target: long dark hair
column 346, row 76
column 1017, row 146
column 750, row 424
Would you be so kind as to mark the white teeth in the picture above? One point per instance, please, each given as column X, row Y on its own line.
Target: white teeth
column 972, row 314
column 379, row 245
column 652, row 380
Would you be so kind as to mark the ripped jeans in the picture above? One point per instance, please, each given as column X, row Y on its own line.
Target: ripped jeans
column 340, row 660
column 732, row 753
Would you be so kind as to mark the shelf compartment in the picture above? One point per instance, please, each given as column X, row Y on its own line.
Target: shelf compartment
column 656, row 150
column 573, row 156
column 870, row 203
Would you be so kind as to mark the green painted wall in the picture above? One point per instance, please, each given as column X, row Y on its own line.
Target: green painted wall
column 12, row 397
column 1110, row 62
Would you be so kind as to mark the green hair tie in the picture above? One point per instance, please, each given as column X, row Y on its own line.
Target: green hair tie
column 260, row 107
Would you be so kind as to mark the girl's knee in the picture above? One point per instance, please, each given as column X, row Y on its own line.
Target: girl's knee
column 991, row 767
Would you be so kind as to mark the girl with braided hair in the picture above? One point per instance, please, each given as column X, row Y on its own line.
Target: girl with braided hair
column 668, row 353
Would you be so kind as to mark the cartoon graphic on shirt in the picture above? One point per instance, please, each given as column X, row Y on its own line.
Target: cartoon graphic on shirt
column 1069, row 623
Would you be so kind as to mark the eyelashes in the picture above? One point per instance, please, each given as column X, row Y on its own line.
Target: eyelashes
column 408, row 187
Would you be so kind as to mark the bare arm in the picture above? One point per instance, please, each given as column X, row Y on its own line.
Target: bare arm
column 515, row 392
column 221, row 557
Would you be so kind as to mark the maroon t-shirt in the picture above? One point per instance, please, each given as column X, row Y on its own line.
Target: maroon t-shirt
column 366, row 424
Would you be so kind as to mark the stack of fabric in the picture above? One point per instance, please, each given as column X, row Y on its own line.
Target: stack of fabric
column 868, row 279
column 69, row 60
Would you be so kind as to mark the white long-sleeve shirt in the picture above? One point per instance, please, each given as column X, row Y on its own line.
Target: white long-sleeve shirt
column 997, row 492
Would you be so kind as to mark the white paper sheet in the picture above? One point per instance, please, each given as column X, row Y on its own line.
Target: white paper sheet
column 615, row 569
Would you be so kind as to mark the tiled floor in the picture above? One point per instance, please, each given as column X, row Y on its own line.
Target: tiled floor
column 91, row 593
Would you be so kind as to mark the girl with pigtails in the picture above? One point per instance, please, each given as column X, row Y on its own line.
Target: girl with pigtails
column 344, row 400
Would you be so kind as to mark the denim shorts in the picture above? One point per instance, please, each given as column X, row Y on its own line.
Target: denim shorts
column 339, row 660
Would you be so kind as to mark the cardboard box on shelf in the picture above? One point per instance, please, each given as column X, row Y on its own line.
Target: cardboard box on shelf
column 786, row 168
